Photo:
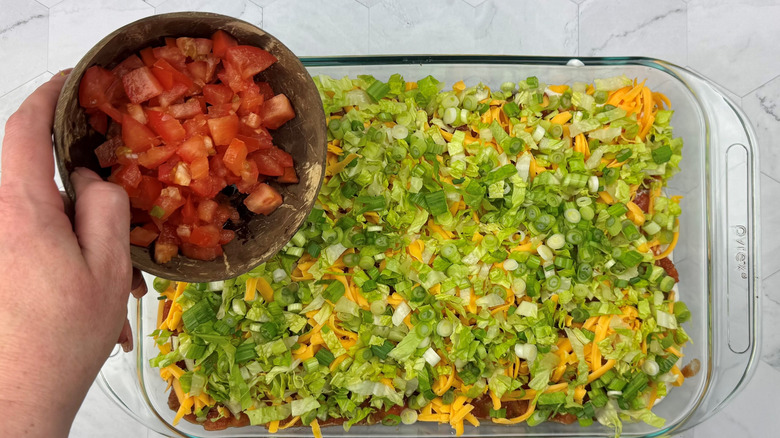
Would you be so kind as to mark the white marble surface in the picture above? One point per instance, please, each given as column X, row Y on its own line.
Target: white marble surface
column 731, row 42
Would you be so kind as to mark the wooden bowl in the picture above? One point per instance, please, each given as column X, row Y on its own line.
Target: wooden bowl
column 305, row 138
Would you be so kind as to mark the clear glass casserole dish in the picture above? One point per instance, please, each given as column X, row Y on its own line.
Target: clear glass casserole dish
column 716, row 255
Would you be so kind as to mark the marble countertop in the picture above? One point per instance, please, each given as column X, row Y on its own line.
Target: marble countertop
column 734, row 43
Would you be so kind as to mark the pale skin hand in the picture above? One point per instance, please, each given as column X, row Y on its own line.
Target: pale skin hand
column 63, row 286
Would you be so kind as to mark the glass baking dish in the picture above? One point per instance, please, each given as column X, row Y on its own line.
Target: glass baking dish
column 716, row 255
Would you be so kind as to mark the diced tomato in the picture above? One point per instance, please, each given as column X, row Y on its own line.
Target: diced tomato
column 231, row 76
column 276, row 111
column 147, row 56
column 189, row 120
column 194, row 47
column 182, row 230
column 172, row 55
column 221, row 110
column 265, row 90
column 168, row 75
column 143, row 236
column 193, row 148
column 173, row 96
column 94, row 85
column 249, row 175
column 154, row 157
column 165, row 171
column 196, row 125
column 224, row 213
column 165, row 252
column 263, row 200
column 169, row 201
column 249, row 60
column 189, row 212
column 280, row 156
column 235, row 156
column 148, row 191
column 266, row 164
column 136, row 111
column 106, row 152
column 141, row 85
column 186, row 110
column 137, row 136
column 130, row 63
column 98, row 121
column 201, row 253
column 199, row 168
column 217, row 94
column 225, row 236
column 128, row 176
column 166, row 126
column 205, row 235
column 289, row 176
column 223, row 129
column 206, row 210
column 222, row 40
column 208, row 186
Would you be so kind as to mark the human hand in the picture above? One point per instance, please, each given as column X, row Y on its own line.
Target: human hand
column 64, row 284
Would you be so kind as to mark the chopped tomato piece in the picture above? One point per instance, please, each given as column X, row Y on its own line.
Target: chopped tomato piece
column 225, row 236
column 249, row 60
column 263, row 200
column 165, row 171
column 141, row 85
column 166, row 126
column 106, row 152
column 94, row 86
column 154, row 157
column 186, row 110
column 165, row 252
column 128, row 176
column 289, row 176
column 143, row 236
column 130, row 63
column 199, row 168
column 98, row 121
column 265, row 90
column 147, row 56
column 189, row 212
column 167, row 203
column 223, row 129
column 266, row 164
column 201, row 253
column 205, row 235
column 168, row 75
column 196, row 125
column 217, row 94
column 137, row 136
column 280, row 156
column 235, row 156
column 148, row 191
column 222, row 40
column 194, row 47
column 172, row 55
column 193, row 148
column 276, row 111
column 206, row 210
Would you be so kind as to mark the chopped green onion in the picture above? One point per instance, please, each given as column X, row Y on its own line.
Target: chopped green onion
column 444, row 328
column 617, row 209
column 324, row 357
column 662, row 154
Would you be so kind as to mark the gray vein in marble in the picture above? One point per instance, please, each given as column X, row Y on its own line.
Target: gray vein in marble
column 652, row 20
column 21, row 23
column 769, row 107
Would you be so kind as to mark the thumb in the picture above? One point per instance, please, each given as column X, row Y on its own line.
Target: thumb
column 102, row 224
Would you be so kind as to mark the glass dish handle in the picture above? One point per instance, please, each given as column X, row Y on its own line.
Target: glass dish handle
column 735, row 228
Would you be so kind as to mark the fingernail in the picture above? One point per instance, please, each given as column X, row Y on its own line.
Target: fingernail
column 83, row 172
column 65, row 72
